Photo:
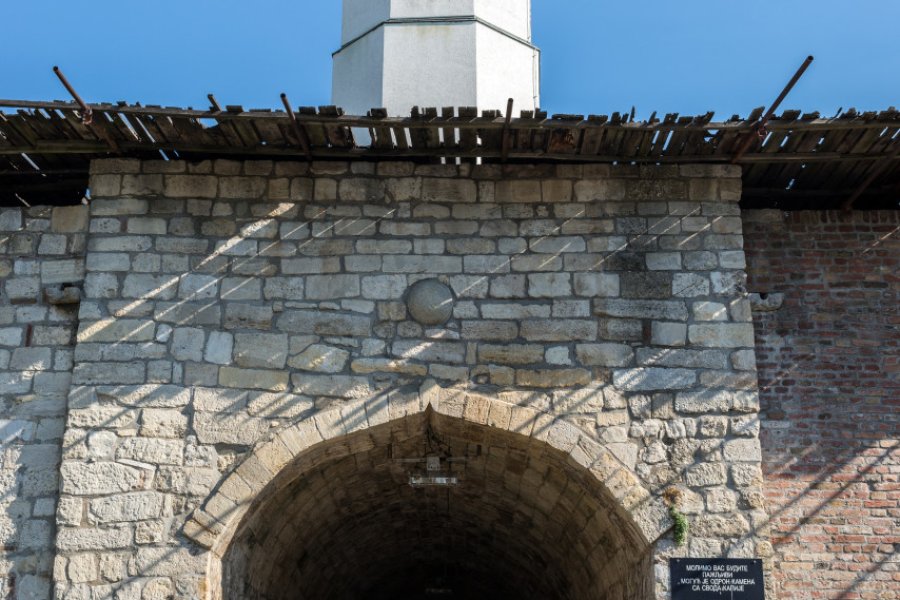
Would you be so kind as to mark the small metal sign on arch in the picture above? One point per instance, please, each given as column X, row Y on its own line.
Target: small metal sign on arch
column 717, row 579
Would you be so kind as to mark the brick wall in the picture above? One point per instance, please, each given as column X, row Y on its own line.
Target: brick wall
column 829, row 368
column 41, row 251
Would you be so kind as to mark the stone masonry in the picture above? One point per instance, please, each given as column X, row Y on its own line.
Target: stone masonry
column 41, row 268
column 227, row 303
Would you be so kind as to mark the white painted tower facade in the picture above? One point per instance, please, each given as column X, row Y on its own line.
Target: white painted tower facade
column 396, row 54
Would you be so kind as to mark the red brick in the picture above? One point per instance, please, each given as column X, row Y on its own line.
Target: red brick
column 828, row 368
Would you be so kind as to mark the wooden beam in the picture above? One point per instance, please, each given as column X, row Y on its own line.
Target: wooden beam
column 876, row 172
column 299, row 131
column 546, row 124
column 88, row 148
column 504, row 142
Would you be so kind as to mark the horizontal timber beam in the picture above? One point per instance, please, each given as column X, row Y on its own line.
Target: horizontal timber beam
column 467, row 123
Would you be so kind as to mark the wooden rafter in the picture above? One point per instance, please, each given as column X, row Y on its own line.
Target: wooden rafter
column 802, row 153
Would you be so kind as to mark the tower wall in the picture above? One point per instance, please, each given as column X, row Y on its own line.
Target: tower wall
column 443, row 53
column 227, row 302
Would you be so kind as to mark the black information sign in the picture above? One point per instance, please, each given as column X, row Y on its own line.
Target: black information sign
column 716, row 579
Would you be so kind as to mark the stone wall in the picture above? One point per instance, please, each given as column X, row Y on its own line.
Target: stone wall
column 829, row 367
column 226, row 302
column 41, row 253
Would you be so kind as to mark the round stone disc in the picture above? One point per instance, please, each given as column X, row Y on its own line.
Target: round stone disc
column 430, row 302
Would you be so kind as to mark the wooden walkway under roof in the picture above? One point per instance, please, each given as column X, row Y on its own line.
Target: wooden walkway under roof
column 803, row 161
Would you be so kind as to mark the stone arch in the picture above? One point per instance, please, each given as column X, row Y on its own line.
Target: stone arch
column 355, row 428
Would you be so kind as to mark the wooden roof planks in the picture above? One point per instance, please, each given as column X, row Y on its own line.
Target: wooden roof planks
column 802, row 156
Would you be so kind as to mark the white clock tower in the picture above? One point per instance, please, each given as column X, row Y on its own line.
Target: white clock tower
column 396, row 54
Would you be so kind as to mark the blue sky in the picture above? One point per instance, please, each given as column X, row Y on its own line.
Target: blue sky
column 685, row 56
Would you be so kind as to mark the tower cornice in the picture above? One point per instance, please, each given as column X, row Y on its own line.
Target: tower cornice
column 448, row 20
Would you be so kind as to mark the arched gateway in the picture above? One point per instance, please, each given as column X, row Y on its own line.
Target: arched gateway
column 430, row 493
column 264, row 444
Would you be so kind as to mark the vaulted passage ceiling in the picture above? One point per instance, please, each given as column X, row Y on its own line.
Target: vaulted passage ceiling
column 521, row 523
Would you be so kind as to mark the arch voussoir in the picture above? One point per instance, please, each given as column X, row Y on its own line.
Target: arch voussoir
column 214, row 523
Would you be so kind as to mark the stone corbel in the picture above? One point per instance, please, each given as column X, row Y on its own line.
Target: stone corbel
column 62, row 293
column 764, row 302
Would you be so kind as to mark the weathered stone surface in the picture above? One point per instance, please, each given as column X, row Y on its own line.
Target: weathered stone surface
column 324, row 323
column 654, row 378
column 604, row 355
column 151, row 451
column 642, row 309
column 62, row 271
column 520, row 191
column 339, row 386
column 722, row 335
column 549, row 285
column 430, row 351
column 668, row 334
column 188, row 343
column 384, row 365
column 321, row 358
column 31, row 359
column 705, row 401
column 160, row 287
column 516, row 311
column 422, row 264
column 23, row 290
column 10, row 220
column 706, row 474
column 332, row 286
column 744, row 450
column 384, row 287
column 511, row 354
column 279, row 288
column 86, row 539
column 278, row 405
column 163, row 423
column 260, row 350
column 108, row 373
column 219, row 347
column 198, row 287
column 190, row 186
column 241, row 316
column 489, row 330
column 148, row 396
column 690, row 285
column 553, row 378
column 691, row 359
column 310, row 266
column 559, row 330
column 596, row 284
column 116, row 330
column 136, row 506
column 237, row 428
column 258, row 379
column 448, row 190
column 646, row 285
column 101, row 478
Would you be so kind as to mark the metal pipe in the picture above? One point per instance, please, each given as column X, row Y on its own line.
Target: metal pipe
column 301, row 133
column 760, row 128
column 87, row 114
